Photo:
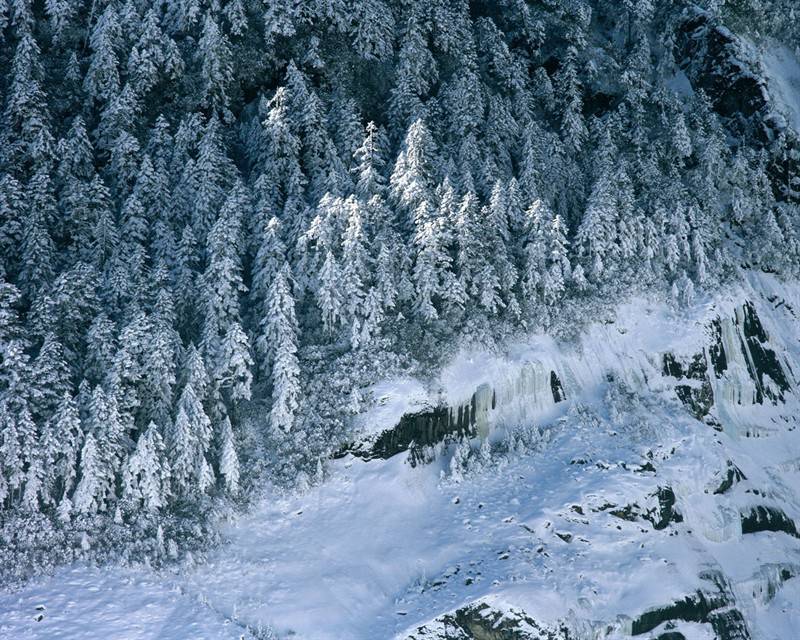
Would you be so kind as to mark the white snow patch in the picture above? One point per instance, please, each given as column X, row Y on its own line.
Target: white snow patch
column 783, row 77
column 88, row 603
column 680, row 84
column 393, row 399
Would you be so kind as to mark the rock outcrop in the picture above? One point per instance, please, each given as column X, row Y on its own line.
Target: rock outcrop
column 536, row 386
column 714, row 606
column 726, row 68
column 738, row 366
column 480, row 621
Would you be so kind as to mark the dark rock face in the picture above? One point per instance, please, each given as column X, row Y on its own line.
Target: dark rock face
column 660, row 517
column 713, row 607
column 698, row 398
column 717, row 62
column 416, row 431
column 557, row 389
column 425, row 428
column 763, row 365
column 763, row 361
column 671, row 635
column 762, row 518
column 716, row 350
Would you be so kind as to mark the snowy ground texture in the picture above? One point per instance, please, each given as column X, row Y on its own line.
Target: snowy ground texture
column 381, row 549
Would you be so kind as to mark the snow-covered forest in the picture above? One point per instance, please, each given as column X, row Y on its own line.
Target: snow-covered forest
column 222, row 221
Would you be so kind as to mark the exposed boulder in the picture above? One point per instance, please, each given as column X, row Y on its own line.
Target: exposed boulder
column 761, row 518
column 665, row 513
column 480, row 621
column 732, row 475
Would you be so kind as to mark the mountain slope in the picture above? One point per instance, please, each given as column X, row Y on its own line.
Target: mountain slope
column 399, row 318
column 597, row 524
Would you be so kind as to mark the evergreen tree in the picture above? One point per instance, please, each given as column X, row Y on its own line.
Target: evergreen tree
column 160, row 368
column 187, row 264
column 280, row 338
column 38, row 249
column 235, row 363
column 11, row 459
column 229, row 461
column 105, row 232
column 416, row 72
column 373, row 29
column 222, row 282
column 355, row 262
column 155, row 56
column 145, row 479
column 63, row 446
column 106, row 426
column 10, row 324
column 596, row 237
column 102, row 80
column 434, row 281
column 12, row 223
column 213, row 179
column 329, row 294
column 51, row 378
column 190, row 437
column 370, row 162
column 75, row 153
column 413, row 178
column 281, row 186
column 217, row 68
column 573, row 128
column 26, row 136
column 270, row 256
column 94, row 484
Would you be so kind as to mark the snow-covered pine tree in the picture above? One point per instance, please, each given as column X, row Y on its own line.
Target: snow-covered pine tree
column 414, row 174
column 281, row 334
column 94, row 484
column 229, row 460
column 145, row 477
column 214, row 51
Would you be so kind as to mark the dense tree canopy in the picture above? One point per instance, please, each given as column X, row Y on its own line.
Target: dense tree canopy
column 221, row 222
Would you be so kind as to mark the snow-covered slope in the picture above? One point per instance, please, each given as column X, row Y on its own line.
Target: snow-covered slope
column 635, row 510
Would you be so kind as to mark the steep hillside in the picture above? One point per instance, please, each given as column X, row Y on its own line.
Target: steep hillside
column 661, row 496
column 413, row 318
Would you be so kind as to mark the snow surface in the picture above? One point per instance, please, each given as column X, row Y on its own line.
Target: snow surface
column 87, row 602
column 783, row 76
column 381, row 548
column 392, row 399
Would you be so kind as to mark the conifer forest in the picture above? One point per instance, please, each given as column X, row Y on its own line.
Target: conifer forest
column 237, row 235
